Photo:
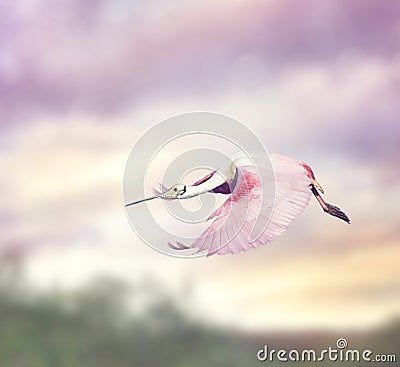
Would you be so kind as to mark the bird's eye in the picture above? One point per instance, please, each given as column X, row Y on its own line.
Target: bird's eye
column 175, row 189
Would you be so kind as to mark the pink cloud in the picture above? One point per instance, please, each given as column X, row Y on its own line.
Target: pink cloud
column 68, row 54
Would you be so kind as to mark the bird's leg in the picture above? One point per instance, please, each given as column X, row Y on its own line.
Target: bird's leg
column 329, row 208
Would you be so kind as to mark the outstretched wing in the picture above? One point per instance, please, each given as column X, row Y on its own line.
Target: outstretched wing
column 234, row 221
column 161, row 189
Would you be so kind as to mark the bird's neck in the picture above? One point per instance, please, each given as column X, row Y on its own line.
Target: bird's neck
column 221, row 176
column 192, row 191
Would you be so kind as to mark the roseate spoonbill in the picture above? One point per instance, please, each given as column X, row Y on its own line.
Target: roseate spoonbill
column 229, row 232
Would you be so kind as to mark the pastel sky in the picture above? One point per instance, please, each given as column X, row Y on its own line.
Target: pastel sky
column 81, row 81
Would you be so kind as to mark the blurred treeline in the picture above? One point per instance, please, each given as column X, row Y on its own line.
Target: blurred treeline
column 101, row 325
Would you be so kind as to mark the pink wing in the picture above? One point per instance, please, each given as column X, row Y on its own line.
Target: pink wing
column 161, row 189
column 234, row 221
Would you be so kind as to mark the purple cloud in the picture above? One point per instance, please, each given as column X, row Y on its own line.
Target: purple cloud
column 68, row 55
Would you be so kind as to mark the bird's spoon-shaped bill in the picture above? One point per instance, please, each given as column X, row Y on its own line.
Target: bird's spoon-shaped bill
column 170, row 194
column 142, row 200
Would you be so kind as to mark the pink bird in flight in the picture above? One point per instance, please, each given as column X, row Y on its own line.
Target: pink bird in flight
column 236, row 219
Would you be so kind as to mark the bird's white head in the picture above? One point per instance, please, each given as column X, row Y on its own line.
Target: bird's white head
column 175, row 192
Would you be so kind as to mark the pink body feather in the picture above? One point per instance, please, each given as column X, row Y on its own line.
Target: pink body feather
column 234, row 221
